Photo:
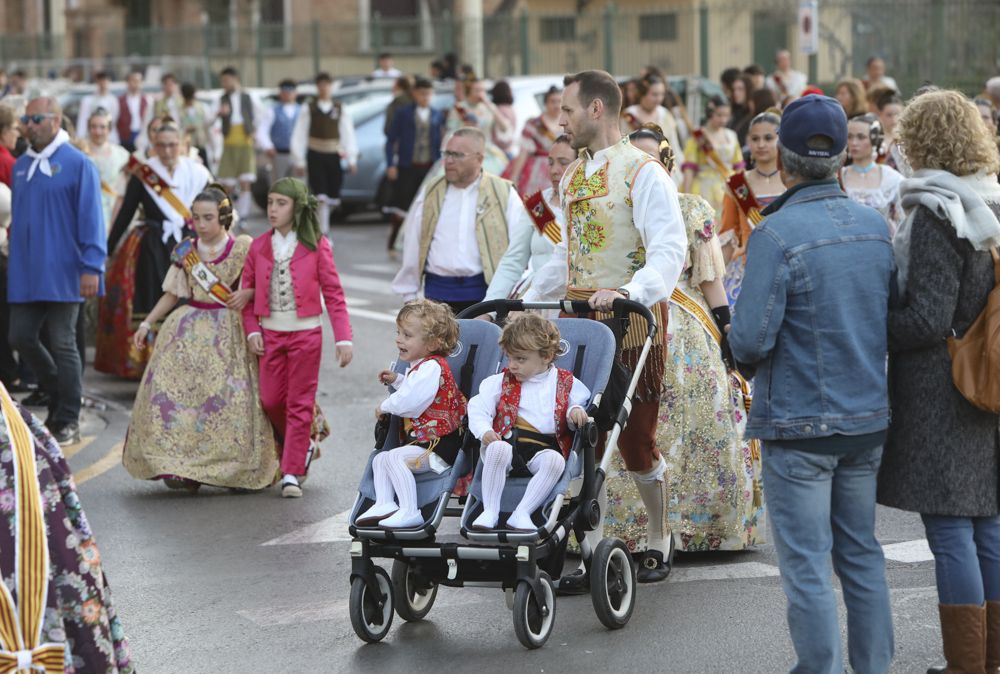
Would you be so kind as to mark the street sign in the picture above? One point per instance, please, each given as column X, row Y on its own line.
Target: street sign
column 809, row 26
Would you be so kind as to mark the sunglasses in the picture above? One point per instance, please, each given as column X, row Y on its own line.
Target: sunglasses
column 36, row 118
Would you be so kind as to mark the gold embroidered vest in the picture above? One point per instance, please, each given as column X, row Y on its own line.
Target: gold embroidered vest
column 605, row 248
column 491, row 220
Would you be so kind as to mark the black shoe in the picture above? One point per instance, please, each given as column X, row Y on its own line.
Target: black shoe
column 652, row 567
column 37, row 399
column 575, row 583
column 67, row 434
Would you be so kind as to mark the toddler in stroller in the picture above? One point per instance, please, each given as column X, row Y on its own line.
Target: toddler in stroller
column 432, row 406
column 524, row 418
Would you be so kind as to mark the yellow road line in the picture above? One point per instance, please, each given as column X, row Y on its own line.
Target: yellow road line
column 78, row 447
column 102, row 465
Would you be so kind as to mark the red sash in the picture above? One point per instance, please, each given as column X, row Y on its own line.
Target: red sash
column 743, row 194
column 705, row 145
column 444, row 415
column 510, row 402
column 543, row 217
column 151, row 178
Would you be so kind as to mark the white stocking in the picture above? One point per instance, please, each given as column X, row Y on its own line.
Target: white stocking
column 384, row 492
column 546, row 467
column 401, row 467
column 496, row 459
column 653, row 489
column 323, row 213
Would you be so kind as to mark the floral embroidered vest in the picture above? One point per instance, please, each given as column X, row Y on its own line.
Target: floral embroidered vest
column 604, row 248
column 510, row 401
column 445, row 414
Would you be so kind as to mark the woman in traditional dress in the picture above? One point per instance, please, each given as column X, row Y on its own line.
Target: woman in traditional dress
column 715, row 500
column 865, row 180
column 74, row 626
column 110, row 160
column 530, row 169
column 197, row 417
column 531, row 247
column 764, row 186
column 652, row 90
column 163, row 187
column 705, row 172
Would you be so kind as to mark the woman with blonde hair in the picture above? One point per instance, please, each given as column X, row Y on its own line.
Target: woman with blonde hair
column 942, row 454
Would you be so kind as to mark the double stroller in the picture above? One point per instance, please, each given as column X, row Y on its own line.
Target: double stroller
column 523, row 564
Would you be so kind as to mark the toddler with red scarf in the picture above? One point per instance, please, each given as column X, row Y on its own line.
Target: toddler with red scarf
column 524, row 417
column 432, row 408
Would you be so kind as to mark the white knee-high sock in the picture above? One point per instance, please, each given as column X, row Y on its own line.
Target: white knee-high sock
column 497, row 457
column 652, row 487
column 548, row 467
column 403, row 482
column 323, row 213
column 243, row 204
column 383, row 484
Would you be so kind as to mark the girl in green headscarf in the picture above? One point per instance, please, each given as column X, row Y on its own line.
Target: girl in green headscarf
column 289, row 268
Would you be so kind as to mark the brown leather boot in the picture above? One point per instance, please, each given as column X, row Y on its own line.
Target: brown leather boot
column 963, row 631
column 993, row 637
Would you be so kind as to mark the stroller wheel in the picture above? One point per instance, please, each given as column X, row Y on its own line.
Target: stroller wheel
column 533, row 623
column 371, row 612
column 415, row 597
column 612, row 584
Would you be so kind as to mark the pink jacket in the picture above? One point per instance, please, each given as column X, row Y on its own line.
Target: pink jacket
column 313, row 272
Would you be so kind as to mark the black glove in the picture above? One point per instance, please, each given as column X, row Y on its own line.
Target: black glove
column 722, row 318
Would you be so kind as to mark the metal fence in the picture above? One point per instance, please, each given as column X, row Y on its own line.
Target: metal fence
column 951, row 42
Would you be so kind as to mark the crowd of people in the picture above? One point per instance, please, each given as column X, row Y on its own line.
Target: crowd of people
column 615, row 191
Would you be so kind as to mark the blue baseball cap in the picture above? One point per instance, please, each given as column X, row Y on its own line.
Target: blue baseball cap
column 814, row 126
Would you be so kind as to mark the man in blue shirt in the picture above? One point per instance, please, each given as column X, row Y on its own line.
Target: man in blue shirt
column 811, row 318
column 57, row 252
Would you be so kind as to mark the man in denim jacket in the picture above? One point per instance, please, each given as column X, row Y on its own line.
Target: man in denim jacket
column 811, row 319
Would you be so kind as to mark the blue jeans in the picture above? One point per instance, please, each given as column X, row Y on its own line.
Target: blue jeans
column 966, row 558
column 821, row 505
column 57, row 367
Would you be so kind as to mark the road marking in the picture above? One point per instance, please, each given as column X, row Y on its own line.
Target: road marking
column 338, row 609
column 378, row 268
column 357, row 302
column 909, row 552
column 76, row 448
column 374, row 315
column 101, row 466
column 366, row 284
column 330, row 530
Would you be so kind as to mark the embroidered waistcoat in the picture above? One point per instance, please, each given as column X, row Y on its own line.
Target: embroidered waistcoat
column 604, row 248
column 445, row 414
column 491, row 220
column 510, row 401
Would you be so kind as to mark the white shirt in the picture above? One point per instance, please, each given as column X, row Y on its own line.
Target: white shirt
column 415, row 391
column 424, row 114
column 656, row 213
column 793, row 81
column 134, row 103
column 454, row 250
column 235, row 107
column 268, row 116
column 528, row 251
column 537, row 405
column 391, row 72
column 300, row 135
column 91, row 103
column 283, row 245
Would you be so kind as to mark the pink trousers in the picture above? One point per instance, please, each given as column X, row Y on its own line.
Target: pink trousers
column 289, row 375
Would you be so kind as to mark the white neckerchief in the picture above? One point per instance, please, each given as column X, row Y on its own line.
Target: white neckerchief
column 41, row 159
column 185, row 183
column 283, row 246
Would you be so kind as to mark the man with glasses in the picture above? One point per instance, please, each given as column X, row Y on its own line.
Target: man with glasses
column 57, row 253
column 458, row 227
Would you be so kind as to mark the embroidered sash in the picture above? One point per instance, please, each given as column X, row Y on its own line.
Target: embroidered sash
column 688, row 304
column 543, row 217
column 743, row 194
column 186, row 256
column 21, row 622
column 507, row 416
column 705, row 145
column 158, row 185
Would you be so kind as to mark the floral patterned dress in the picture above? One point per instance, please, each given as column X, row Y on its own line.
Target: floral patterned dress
column 197, row 414
column 715, row 501
column 708, row 181
column 78, row 612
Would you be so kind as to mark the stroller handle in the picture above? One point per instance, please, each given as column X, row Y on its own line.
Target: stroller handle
column 504, row 307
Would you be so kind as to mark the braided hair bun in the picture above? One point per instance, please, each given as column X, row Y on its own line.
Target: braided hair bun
column 217, row 194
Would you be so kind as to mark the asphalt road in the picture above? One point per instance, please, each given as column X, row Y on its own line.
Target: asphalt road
column 221, row 582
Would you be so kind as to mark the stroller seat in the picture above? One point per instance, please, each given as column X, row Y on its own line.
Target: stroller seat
column 588, row 351
column 474, row 358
